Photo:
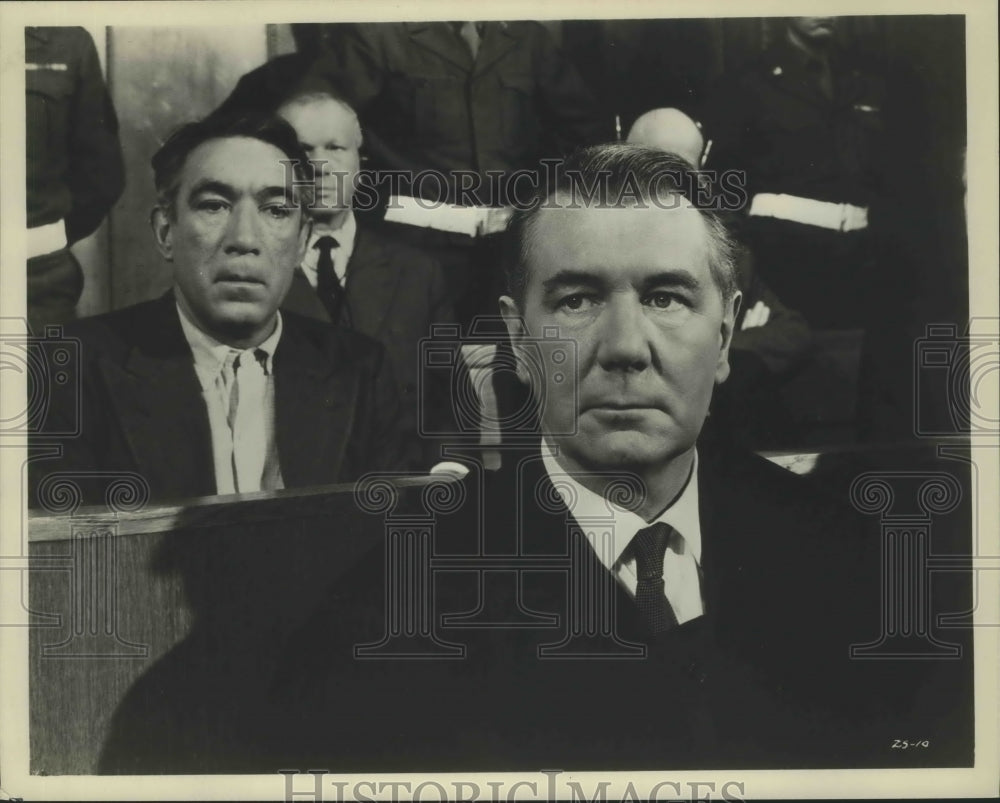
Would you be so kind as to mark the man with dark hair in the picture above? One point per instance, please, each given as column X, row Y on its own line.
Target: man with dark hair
column 210, row 389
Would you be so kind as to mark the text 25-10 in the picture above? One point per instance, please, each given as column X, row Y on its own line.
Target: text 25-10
column 903, row 744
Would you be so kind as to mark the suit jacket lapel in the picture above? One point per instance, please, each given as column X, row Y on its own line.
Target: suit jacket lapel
column 303, row 299
column 371, row 285
column 734, row 550
column 546, row 525
column 316, row 396
column 160, row 408
column 497, row 41
column 439, row 38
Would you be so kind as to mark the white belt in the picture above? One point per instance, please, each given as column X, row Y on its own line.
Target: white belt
column 46, row 239
column 433, row 215
column 827, row 215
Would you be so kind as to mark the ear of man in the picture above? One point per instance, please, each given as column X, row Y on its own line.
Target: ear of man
column 162, row 226
column 730, row 311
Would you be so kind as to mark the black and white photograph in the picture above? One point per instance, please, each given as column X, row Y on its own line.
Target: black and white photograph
column 581, row 401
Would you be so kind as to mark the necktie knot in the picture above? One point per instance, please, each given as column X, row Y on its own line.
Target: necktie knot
column 650, row 546
column 326, row 244
column 328, row 285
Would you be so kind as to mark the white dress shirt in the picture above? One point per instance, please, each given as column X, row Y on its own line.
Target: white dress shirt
column 682, row 584
column 244, row 449
column 341, row 255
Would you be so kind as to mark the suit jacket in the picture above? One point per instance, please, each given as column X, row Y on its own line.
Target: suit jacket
column 425, row 104
column 524, row 679
column 762, row 679
column 394, row 294
column 139, row 407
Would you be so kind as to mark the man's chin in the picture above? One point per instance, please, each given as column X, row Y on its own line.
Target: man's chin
column 239, row 325
column 627, row 449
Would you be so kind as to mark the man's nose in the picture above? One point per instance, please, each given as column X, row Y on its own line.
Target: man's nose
column 242, row 236
column 623, row 338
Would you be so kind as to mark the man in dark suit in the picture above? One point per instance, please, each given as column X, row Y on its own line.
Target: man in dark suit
column 210, row 389
column 365, row 280
column 618, row 595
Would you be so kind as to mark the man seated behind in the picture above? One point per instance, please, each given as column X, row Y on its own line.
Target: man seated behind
column 770, row 340
column 365, row 280
column 210, row 389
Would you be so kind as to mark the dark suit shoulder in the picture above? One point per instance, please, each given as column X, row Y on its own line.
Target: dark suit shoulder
column 399, row 252
column 752, row 476
column 337, row 344
column 114, row 334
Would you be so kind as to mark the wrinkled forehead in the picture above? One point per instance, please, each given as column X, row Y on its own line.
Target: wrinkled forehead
column 241, row 163
column 622, row 240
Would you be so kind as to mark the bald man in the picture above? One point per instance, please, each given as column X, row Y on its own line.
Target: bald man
column 770, row 339
column 669, row 130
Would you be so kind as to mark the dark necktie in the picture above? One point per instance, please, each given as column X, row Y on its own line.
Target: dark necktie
column 328, row 286
column 649, row 546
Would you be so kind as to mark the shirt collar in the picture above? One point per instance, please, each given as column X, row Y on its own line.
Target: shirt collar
column 210, row 354
column 344, row 236
column 584, row 505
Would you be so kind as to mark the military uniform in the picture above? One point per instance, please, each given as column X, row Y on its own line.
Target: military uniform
column 808, row 134
column 74, row 164
column 429, row 100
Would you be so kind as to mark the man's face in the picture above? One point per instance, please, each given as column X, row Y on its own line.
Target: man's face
column 633, row 288
column 329, row 134
column 813, row 29
column 235, row 237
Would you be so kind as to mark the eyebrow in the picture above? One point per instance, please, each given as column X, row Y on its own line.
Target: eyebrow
column 678, row 277
column 675, row 278
column 229, row 192
column 567, row 277
column 212, row 186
